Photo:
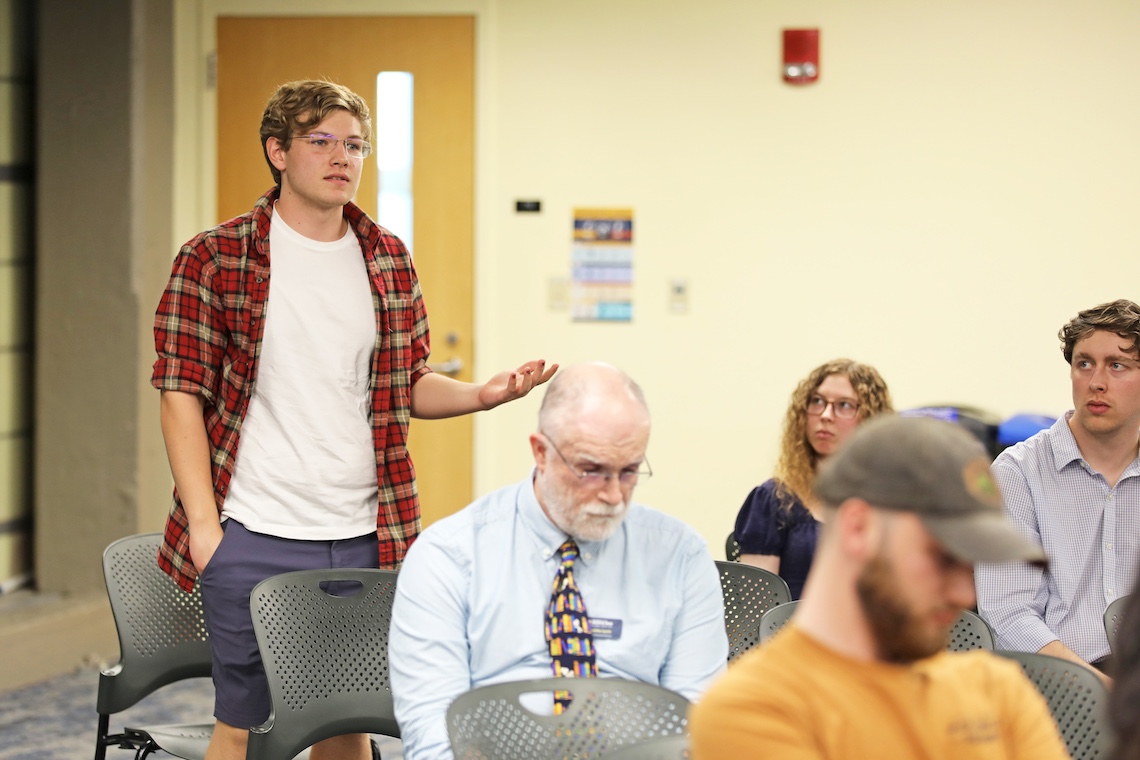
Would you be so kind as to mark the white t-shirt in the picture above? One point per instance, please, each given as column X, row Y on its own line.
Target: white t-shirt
column 306, row 467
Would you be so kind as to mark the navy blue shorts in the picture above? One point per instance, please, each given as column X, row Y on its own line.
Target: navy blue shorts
column 242, row 560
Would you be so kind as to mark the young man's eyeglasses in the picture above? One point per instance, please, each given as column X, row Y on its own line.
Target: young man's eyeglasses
column 593, row 475
column 842, row 409
column 354, row 147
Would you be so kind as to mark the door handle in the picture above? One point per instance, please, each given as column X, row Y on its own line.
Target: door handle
column 452, row 366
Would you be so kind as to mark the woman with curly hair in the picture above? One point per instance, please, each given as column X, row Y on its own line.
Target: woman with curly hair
column 778, row 523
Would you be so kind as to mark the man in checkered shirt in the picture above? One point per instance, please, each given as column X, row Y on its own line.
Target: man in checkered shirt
column 1075, row 490
column 286, row 398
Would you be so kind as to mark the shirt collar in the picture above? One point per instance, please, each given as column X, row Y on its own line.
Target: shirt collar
column 1066, row 451
column 548, row 536
column 262, row 216
column 360, row 222
column 365, row 228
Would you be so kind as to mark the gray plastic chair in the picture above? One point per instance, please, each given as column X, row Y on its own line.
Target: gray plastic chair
column 749, row 592
column 669, row 748
column 492, row 723
column 326, row 657
column 1113, row 614
column 162, row 639
column 1077, row 699
column 775, row 619
column 731, row 548
column 970, row 632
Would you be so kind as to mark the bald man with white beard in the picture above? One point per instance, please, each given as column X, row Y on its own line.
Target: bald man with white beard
column 475, row 588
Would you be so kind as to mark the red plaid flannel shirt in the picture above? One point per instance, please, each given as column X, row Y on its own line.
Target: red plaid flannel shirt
column 208, row 331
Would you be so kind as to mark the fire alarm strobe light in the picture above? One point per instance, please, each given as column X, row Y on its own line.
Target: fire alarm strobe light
column 801, row 56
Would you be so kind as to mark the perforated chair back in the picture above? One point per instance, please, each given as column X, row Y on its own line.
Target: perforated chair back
column 1077, row 699
column 492, row 722
column 1113, row 614
column 748, row 593
column 162, row 639
column 775, row 619
column 669, row 748
column 731, row 548
column 325, row 655
column 970, row 632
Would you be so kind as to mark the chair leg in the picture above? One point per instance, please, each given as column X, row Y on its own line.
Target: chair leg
column 142, row 746
column 101, row 737
column 146, row 750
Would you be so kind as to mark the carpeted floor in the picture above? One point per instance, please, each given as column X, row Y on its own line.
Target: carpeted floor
column 56, row 719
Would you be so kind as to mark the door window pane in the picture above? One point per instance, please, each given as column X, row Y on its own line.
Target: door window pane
column 393, row 145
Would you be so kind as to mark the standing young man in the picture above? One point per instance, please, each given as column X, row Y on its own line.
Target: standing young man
column 1075, row 490
column 286, row 399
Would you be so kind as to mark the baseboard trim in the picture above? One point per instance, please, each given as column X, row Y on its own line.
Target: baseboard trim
column 43, row 636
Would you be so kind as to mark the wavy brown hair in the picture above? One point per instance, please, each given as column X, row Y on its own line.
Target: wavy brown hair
column 795, row 469
column 297, row 107
column 1121, row 317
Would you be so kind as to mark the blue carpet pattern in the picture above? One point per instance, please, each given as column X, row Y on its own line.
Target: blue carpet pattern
column 56, row 719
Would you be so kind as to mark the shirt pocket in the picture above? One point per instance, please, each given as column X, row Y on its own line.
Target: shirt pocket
column 643, row 647
column 399, row 310
column 399, row 340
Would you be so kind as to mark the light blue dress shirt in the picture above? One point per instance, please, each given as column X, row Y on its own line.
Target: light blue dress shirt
column 472, row 595
column 1090, row 532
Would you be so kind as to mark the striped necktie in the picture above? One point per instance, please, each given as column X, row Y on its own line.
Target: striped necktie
column 568, row 632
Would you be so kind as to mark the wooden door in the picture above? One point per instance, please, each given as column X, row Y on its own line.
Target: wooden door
column 255, row 54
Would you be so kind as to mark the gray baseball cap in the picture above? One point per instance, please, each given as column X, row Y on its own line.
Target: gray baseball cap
column 938, row 471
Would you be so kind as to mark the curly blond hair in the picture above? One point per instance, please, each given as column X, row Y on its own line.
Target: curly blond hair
column 299, row 106
column 795, row 469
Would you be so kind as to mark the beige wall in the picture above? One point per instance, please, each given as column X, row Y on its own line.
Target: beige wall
column 959, row 182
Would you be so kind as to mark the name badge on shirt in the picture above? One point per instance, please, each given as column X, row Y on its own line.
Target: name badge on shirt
column 605, row 628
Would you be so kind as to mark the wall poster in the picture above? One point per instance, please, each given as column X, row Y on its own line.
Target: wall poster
column 602, row 265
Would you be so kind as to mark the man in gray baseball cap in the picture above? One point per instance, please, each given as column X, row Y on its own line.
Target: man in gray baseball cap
column 940, row 473
column 862, row 670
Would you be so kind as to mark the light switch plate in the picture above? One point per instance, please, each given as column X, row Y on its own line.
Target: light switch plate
column 679, row 296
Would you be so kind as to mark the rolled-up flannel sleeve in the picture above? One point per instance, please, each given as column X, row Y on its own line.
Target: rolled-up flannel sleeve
column 189, row 328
